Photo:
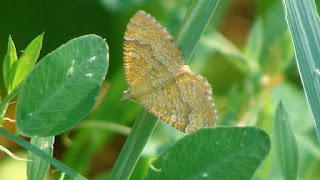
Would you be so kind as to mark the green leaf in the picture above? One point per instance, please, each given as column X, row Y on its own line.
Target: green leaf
column 8, row 63
column 255, row 40
column 63, row 87
column 213, row 153
column 111, row 110
column 286, row 144
column 304, row 26
column 302, row 124
column 21, row 68
column 38, row 167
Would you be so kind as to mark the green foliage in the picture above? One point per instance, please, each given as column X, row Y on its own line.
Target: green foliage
column 246, row 53
column 47, row 103
column 91, row 139
column 213, row 153
column 255, row 40
column 14, row 70
column 302, row 127
column 37, row 167
column 286, row 144
column 303, row 22
column 9, row 62
column 63, row 88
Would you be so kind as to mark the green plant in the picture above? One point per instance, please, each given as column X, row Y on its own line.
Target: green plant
column 188, row 36
column 248, row 84
column 59, row 92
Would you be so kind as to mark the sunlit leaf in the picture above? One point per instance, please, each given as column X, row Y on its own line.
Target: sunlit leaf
column 213, row 153
column 63, row 87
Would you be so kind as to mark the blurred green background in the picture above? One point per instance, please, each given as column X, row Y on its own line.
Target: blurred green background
column 253, row 30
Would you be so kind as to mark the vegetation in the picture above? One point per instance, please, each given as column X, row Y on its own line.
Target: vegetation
column 54, row 93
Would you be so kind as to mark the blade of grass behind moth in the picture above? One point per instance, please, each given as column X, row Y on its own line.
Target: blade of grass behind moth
column 194, row 24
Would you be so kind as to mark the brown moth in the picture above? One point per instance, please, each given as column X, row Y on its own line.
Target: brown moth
column 160, row 81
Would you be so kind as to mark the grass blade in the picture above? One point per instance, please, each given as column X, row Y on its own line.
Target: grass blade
column 194, row 24
column 304, row 26
column 131, row 151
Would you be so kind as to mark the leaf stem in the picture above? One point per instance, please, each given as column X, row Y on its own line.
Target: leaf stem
column 10, row 96
column 5, row 102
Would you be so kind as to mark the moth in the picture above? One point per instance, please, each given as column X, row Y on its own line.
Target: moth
column 160, row 81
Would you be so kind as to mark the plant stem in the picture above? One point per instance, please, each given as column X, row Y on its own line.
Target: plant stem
column 10, row 96
column 5, row 102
